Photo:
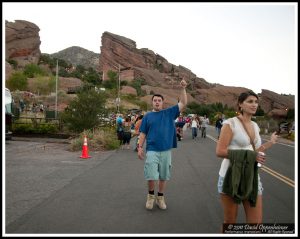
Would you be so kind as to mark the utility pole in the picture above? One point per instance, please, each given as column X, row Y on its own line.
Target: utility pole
column 56, row 89
column 118, row 100
column 119, row 88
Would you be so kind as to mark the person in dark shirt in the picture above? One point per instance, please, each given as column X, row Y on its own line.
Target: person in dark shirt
column 219, row 124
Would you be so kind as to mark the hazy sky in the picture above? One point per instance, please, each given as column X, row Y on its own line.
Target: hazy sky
column 246, row 45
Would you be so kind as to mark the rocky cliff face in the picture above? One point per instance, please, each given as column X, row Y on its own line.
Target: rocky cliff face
column 276, row 105
column 22, row 42
column 120, row 53
column 78, row 56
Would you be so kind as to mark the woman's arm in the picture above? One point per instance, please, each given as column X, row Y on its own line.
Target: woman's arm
column 269, row 143
column 224, row 141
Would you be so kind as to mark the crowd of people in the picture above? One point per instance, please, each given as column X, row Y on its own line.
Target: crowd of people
column 128, row 127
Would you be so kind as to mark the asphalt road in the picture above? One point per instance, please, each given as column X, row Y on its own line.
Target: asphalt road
column 49, row 190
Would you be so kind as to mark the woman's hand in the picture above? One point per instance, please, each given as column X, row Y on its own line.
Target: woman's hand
column 274, row 138
column 261, row 157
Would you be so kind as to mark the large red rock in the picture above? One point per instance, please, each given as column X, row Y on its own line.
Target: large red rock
column 22, row 42
column 119, row 53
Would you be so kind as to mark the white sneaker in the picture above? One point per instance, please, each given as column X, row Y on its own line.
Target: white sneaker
column 150, row 201
column 160, row 202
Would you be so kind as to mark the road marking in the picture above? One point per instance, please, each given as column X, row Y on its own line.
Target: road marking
column 279, row 176
column 289, row 145
column 270, row 171
column 72, row 161
column 212, row 138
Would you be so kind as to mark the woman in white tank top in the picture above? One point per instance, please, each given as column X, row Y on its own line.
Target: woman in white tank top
column 234, row 136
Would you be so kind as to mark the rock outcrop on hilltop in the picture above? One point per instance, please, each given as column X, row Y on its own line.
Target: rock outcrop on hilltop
column 22, row 41
column 118, row 51
column 78, row 56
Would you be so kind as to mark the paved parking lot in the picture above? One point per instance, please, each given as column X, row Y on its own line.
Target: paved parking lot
column 37, row 167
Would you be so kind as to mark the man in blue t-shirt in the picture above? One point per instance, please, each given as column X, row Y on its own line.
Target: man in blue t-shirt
column 158, row 129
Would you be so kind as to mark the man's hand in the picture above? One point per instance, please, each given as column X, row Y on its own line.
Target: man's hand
column 183, row 97
column 183, row 83
column 141, row 153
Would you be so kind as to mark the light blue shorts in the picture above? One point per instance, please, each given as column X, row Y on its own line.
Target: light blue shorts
column 158, row 165
column 221, row 181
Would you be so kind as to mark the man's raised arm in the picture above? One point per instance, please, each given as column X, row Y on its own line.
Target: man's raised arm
column 183, row 97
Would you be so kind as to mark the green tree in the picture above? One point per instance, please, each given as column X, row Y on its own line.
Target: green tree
column 137, row 84
column 62, row 63
column 32, row 70
column 112, row 82
column 92, row 76
column 230, row 113
column 85, row 112
column 63, row 72
column 79, row 72
column 259, row 112
column 76, row 74
column 202, row 109
column 17, row 81
column 217, row 107
column 45, row 59
column 86, row 87
column 80, row 69
column 290, row 114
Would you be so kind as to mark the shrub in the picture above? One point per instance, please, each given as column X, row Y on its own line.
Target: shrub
column 34, row 129
column 98, row 139
column 32, row 70
column 84, row 111
column 43, row 85
column 291, row 136
column 17, row 81
column 14, row 63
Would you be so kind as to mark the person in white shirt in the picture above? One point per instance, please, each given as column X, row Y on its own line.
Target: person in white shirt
column 235, row 137
column 204, row 123
column 195, row 125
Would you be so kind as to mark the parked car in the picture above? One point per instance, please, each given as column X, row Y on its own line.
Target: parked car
column 292, row 129
column 283, row 127
column 8, row 114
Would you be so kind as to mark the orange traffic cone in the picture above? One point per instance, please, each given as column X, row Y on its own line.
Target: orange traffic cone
column 85, row 149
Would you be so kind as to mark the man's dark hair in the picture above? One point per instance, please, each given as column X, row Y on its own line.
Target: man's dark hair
column 157, row 95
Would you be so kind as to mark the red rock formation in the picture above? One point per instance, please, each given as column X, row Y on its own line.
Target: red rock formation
column 64, row 83
column 118, row 52
column 227, row 95
column 8, row 70
column 276, row 105
column 128, row 90
column 22, row 42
